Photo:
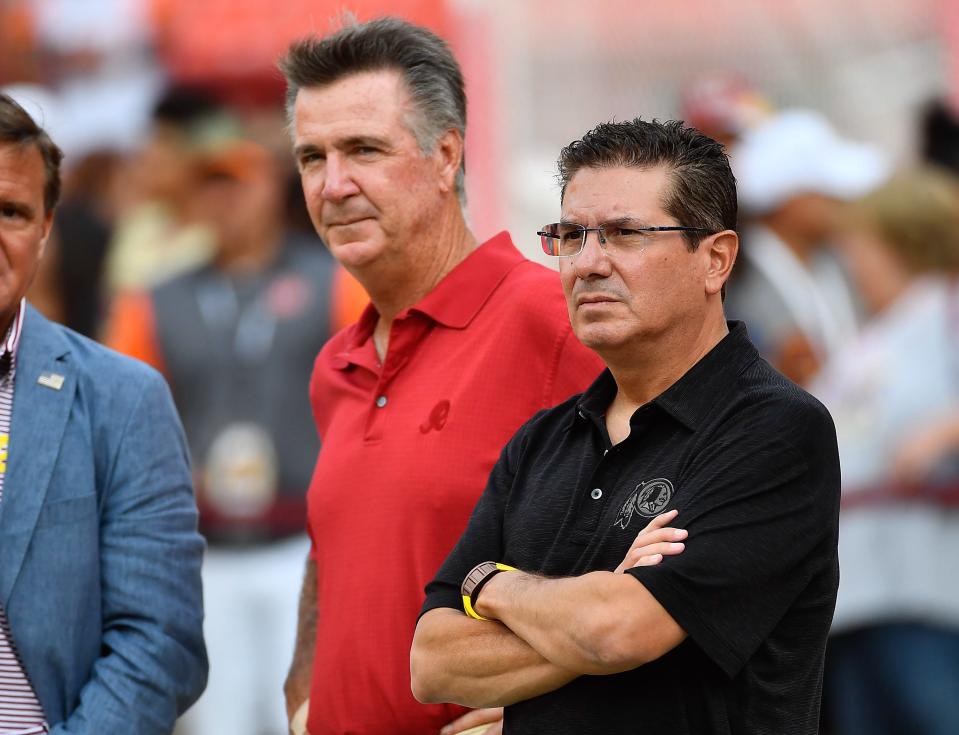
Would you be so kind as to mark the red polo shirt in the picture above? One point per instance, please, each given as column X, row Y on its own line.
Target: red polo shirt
column 407, row 448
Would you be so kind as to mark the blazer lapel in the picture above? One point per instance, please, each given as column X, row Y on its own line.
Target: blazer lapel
column 40, row 413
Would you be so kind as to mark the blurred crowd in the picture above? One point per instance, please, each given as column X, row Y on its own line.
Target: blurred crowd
column 189, row 247
column 848, row 280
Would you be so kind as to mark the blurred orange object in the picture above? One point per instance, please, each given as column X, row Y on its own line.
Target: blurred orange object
column 222, row 40
column 18, row 61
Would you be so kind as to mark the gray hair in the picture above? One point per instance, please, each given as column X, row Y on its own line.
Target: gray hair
column 432, row 75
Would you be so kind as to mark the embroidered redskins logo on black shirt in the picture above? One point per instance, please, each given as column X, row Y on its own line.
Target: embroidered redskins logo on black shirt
column 649, row 499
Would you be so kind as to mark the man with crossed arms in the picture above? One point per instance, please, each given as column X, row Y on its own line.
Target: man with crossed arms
column 729, row 635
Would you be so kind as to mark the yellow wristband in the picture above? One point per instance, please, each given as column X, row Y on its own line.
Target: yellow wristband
column 474, row 582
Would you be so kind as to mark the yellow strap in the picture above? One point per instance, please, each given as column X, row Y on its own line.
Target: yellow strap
column 468, row 604
column 468, row 607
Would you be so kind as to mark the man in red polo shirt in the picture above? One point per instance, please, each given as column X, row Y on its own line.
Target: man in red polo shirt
column 461, row 344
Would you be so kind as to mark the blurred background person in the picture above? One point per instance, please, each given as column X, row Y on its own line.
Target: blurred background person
column 939, row 135
column 84, row 227
column 157, row 234
column 724, row 106
column 236, row 339
column 68, row 284
column 794, row 171
column 893, row 664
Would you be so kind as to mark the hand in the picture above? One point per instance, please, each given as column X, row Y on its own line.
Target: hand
column 919, row 455
column 298, row 721
column 654, row 542
column 797, row 358
column 296, row 690
column 475, row 720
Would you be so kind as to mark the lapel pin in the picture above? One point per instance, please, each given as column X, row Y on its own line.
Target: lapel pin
column 51, row 380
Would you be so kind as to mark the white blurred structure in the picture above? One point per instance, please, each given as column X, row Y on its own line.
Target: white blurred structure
column 562, row 66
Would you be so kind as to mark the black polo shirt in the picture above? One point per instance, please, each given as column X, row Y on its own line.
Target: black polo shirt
column 750, row 461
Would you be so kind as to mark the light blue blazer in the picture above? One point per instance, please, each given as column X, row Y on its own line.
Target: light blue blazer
column 99, row 552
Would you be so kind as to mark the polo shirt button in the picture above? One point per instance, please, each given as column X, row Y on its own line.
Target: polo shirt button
column 381, row 401
column 596, row 494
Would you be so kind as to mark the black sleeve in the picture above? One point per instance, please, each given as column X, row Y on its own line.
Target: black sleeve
column 483, row 538
column 761, row 506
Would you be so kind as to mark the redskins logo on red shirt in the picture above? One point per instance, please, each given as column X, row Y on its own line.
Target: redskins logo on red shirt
column 437, row 418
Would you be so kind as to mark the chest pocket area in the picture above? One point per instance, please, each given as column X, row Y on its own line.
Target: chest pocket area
column 67, row 510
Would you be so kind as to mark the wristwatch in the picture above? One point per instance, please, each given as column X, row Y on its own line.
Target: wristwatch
column 476, row 580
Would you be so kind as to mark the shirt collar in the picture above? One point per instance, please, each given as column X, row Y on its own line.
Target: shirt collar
column 690, row 399
column 455, row 300
column 11, row 340
column 461, row 294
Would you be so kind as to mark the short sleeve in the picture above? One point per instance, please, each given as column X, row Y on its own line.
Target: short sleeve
column 761, row 506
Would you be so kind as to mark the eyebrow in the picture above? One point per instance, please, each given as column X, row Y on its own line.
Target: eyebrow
column 19, row 205
column 303, row 148
column 351, row 142
column 615, row 222
column 360, row 140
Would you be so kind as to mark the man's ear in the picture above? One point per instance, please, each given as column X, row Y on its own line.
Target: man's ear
column 721, row 251
column 448, row 156
column 47, row 229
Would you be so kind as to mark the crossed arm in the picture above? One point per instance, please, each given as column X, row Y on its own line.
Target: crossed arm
column 543, row 633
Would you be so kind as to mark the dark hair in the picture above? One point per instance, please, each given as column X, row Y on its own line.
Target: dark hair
column 939, row 135
column 183, row 105
column 17, row 127
column 432, row 76
column 703, row 191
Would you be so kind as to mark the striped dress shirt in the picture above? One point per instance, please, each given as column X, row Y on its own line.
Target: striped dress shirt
column 20, row 711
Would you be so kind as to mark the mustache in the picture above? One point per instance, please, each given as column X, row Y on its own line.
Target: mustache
column 593, row 289
column 345, row 214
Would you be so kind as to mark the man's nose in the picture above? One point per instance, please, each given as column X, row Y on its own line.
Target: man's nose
column 338, row 183
column 592, row 259
column 600, row 237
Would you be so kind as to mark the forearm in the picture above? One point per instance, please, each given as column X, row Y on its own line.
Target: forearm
column 297, row 685
column 597, row 623
column 477, row 663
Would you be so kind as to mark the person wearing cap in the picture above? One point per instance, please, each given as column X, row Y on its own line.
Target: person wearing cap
column 236, row 339
column 462, row 343
column 100, row 599
column 541, row 606
column 794, row 173
column 723, row 105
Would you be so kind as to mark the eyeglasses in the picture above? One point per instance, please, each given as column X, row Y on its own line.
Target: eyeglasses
column 567, row 239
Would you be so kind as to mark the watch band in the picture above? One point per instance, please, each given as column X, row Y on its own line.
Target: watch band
column 474, row 582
